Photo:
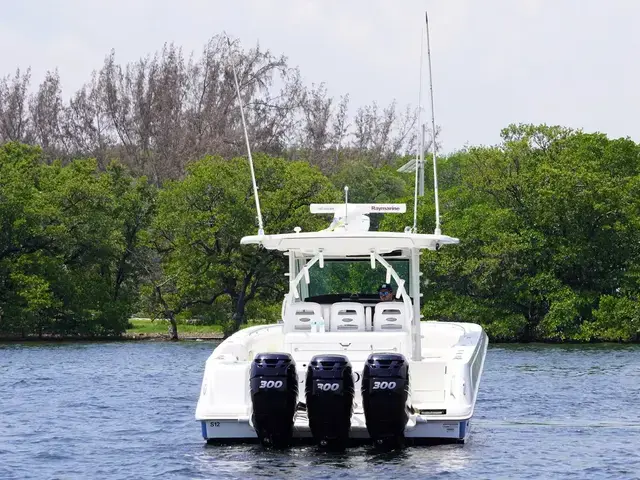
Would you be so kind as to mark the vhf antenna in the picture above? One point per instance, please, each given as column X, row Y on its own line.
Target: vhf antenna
column 433, row 132
column 246, row 137
column 420, row 153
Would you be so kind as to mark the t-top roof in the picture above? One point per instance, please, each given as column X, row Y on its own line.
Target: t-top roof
column 348, row 243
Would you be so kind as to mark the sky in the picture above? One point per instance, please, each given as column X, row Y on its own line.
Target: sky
column 574, row 63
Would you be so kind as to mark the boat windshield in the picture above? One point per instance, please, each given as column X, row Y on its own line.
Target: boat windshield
column 353, row 278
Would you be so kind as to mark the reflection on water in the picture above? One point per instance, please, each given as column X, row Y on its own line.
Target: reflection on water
column 126, row 410
column 251, row 461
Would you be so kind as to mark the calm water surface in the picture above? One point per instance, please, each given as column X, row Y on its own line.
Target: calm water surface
column 126, row 411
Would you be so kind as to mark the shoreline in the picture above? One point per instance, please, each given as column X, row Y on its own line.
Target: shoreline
column 219, row 336
column 126, row 337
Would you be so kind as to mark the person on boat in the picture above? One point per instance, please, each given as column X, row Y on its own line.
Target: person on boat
column 386, row 292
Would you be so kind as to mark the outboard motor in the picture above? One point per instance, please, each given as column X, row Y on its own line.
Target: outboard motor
column 385, row 389
column 329, row 390
column 274, row 394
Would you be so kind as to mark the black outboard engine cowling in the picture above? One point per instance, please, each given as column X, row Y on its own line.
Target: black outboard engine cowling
column 329, row 390
column 385, row 389
column 274, row 394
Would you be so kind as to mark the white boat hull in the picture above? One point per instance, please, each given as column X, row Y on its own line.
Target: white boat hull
column 418, row 427
column 443, row 385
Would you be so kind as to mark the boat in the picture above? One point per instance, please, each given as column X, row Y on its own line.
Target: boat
column 346, row 363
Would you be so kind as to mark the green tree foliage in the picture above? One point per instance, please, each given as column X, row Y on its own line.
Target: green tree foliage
column 354, row 277
column 200, row 222
column 369, row 184
column 68, row 244
column 550, row 244
column 549, row 224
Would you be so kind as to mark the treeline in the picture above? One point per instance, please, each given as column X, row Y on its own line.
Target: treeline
column 549, row 223
column 165, row 110
column 87, row 242
column 71, row 244
column 132, row 196
column 82, row 248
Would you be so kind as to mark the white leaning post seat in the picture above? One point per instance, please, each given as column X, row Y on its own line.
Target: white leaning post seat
column 301, row 316
column 389, row 316
column 347, row 317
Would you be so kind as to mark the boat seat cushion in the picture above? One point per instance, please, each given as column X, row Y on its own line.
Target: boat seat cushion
column 347, row 317
column 301, row 315
column 389, row 316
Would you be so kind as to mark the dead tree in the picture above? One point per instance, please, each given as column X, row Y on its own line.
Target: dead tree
column 46, row 109
column 163, row 111
column 14, row 111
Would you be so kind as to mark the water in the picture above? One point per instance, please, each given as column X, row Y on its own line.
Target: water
column 126, row 411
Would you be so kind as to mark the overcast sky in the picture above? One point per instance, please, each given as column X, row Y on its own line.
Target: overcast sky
column 569, row 62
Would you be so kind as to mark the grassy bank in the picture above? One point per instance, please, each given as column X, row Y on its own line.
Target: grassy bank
column 145, row 327
column 139, row 329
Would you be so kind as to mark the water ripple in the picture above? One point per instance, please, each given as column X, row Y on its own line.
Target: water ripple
column 126, row 411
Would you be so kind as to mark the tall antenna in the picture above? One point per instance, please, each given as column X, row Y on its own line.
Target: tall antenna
column 433, row 132
column 246, row 137
column 420, row 152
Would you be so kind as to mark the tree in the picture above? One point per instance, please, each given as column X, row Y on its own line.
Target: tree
column 68, row 243
column 14, row 119
column 166, row 109
column 548, row 226
column 201, row 220
column 46, row 110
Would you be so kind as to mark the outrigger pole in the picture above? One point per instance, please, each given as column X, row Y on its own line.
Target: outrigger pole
column 246, row 137
column 418, row 162
column 433, row 131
